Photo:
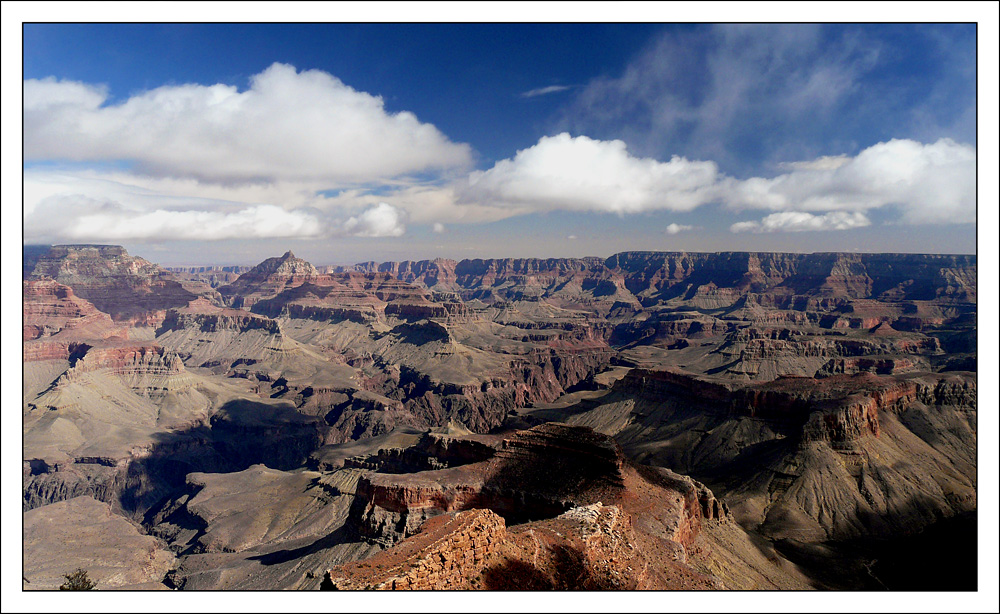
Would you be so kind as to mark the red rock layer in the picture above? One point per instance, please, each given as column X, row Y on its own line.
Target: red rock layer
column 129, row 289
column 128, row 358
column 56, row 321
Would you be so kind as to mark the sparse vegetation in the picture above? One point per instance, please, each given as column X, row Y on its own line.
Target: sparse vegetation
column 78, row 581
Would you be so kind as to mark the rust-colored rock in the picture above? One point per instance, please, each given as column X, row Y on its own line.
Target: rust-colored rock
column 131, row 290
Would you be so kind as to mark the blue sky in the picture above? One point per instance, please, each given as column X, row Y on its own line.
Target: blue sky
column 226, row 144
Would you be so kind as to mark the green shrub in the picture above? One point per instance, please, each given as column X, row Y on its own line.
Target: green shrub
column 78, row 581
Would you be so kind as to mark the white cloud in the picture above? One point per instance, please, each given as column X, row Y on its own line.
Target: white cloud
column 260, row 221
column 799, row 221
column 78, row 217
column 288, row 125
column 64, row 205
column 541, row 91
column 583, row 174
column 674, row 228
column 571, row 237
column 47, row 93
column 382, row 220
column 909, row 181
column 71, row 186
column 438, row 227
column 924, row 183
column 927, row 183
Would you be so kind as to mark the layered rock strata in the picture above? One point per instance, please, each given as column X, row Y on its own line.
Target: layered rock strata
column 129, row 289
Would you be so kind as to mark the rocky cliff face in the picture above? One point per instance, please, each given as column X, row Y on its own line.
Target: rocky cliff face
column 57, row 324
column 834, row 275
column 449, row 552
column 130, row 289
column 212, row 276
column 50, row 308
column 208, row 318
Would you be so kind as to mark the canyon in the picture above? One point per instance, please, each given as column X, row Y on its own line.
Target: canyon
column 651, row 420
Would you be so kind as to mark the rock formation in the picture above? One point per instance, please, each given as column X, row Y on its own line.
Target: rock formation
column 270, row 423
column 129, row 289
column 506, row 523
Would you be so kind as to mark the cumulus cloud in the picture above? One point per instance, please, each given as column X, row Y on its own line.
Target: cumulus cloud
column 44, row 94
column 910, row 182
column 922, row 183
column 584, row 174
column 69, row 206
column 382, row 220
column 926, row 183
column 541, row 91
column 799, row 221
column 288, row 125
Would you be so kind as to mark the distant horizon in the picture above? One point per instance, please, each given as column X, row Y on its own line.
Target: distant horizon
column 319, row 263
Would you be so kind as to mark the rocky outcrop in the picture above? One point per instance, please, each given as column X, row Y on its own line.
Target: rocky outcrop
column 475, row 540
column 212, row 276
column 51, row 308
column 432, row 451
column 834, row 275
column 516, row 482
column 57, row 324
column 291, row 287
column 781, row 280
column 752, row 344
column 836, row 408
column 447, row 554
column 880, row 366
column 131, row 290
column 406, row 396
column 268, row 278
column 127, row 359
column 208, row 318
